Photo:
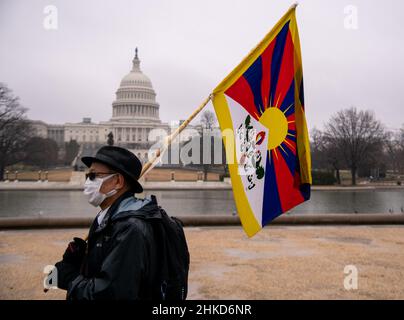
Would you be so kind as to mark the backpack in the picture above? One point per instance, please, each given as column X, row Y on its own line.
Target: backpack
column 172, row 282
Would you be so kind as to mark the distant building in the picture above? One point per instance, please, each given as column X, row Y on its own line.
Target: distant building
column 57, row 133
column 40, row 128
column 135, row 112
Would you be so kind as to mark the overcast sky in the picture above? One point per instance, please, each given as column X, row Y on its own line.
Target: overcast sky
column 187, row 47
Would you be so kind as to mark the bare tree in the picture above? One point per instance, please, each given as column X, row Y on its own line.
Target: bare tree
column 41, row 152
column 395, row 150
column 72, row 148
column 15, row 130
column 357, row 136
column 400, row 139
column 208, row 119
column 325, row 154
column 318, row 157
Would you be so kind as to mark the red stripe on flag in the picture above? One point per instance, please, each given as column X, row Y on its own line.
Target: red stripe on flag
column 241, row 92
column 291, row 117
column 291, row 145
column 287, row 71
column 291, row 122
column 266, row 59
column 288, row 186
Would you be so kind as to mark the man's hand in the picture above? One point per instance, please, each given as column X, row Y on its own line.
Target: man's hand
column 75, row 252
column 69, row 267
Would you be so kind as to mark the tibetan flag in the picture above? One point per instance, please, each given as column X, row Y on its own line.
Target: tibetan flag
column 260, row 109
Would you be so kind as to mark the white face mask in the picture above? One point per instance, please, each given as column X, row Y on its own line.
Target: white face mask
column 92, row 190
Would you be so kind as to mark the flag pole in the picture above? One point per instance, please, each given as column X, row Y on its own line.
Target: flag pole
column 149, row 165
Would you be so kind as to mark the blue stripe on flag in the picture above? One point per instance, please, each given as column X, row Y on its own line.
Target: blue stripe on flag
column 305, row 190
column 301, row 93
column 289, row 157
column 293, row 138
column 288, row 103
column 271, row 207
column 253, row 75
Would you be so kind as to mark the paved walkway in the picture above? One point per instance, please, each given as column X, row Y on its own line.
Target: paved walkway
column 278, row 263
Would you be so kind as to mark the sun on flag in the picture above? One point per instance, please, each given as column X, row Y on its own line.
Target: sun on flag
column 260, row 109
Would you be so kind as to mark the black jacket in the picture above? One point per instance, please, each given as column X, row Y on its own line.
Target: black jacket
column 121, row 259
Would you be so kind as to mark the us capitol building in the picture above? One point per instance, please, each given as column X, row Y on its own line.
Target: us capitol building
column 135, row 112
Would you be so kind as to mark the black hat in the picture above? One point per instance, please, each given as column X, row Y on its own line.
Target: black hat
column 120, row 159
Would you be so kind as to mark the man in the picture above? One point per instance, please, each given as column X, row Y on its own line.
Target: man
column 119, row 260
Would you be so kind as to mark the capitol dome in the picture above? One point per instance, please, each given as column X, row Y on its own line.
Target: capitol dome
column 136, row 78
column 135, row 97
